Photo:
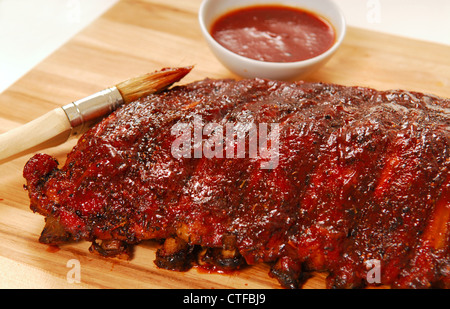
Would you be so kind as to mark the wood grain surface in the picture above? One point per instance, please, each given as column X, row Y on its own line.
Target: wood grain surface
column 132, row 38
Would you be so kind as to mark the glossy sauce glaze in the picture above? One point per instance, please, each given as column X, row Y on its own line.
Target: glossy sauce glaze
column 274, row 33
column 362, row 175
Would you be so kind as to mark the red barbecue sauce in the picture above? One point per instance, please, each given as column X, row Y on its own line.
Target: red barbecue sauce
column 274, row 33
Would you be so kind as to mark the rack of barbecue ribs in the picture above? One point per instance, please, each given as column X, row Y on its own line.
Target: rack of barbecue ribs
column 304, row 176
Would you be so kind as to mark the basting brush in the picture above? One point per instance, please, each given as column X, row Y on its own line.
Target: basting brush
column 61, row 123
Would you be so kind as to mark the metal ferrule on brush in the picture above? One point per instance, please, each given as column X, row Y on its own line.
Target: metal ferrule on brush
column 83, row 113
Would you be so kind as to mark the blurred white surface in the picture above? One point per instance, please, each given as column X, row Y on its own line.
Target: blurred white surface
column 418, row 19
column 30, row 30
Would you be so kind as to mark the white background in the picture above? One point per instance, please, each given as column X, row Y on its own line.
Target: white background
column 30, row 30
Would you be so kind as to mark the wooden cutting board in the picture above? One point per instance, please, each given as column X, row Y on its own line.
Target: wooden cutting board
column 132, row 38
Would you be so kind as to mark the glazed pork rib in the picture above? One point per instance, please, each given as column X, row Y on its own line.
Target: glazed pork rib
column 358, row 176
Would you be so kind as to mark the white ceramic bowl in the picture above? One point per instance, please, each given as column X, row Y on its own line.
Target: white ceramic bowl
column 210, row 10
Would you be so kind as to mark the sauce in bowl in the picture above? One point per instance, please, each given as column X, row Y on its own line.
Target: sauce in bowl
column 274, row 33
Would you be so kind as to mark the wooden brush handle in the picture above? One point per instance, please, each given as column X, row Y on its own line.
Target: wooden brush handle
column 49, row 129
column 56, row 126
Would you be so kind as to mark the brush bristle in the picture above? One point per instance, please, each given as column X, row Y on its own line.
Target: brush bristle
column 150, row 83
